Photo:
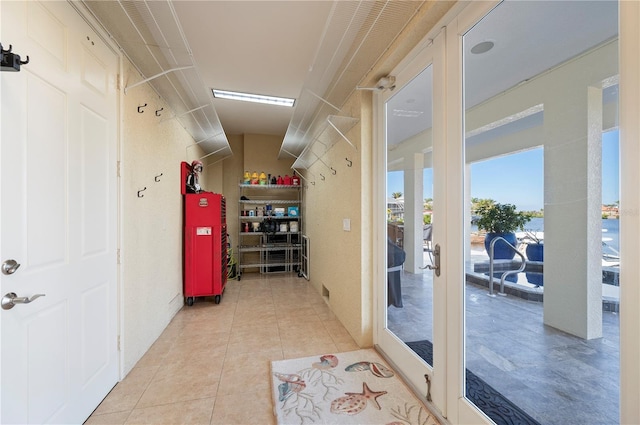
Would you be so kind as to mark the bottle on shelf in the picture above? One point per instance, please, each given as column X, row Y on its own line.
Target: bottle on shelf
column 270, row 235
column 254, row 178
column 263, row 178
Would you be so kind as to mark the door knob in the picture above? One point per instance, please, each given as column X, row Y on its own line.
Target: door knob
column 10, row 267
column 11, row 299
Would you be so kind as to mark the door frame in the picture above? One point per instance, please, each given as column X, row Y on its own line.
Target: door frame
column 461, row 410
column 629, row 107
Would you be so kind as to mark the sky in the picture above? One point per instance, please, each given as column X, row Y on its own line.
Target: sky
column 525, row 189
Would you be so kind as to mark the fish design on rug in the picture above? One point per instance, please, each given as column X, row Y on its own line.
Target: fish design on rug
column 327, row 361
column 378, row 369
column 291, row 383
column 354, row 403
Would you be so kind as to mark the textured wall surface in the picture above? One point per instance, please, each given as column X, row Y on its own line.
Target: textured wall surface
column 150, row 226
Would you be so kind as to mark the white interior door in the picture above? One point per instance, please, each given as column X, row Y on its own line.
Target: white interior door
column 58, row 216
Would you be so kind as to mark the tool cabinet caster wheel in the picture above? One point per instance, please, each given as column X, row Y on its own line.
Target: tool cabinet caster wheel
column 189, row 301
column 217, row 299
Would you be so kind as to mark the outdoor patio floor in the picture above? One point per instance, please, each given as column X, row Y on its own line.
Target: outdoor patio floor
column 553, row 376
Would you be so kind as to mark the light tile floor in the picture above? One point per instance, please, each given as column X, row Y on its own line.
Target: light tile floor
column 211, row 364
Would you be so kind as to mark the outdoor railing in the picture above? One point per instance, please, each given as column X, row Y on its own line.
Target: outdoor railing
column 506, row 273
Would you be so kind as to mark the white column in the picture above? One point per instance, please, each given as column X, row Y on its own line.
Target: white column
column 572, row 211
column 413, row 207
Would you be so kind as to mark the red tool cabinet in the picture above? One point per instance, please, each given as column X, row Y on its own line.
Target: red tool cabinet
column 205, row 246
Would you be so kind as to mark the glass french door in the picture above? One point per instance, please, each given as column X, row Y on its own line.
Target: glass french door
column 410, row 324
column 526, row 115
column 540, row 132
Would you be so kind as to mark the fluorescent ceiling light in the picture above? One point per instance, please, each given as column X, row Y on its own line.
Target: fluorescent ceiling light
column 251, row 97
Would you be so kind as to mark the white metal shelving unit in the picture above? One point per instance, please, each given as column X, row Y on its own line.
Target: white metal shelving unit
column 269, row 251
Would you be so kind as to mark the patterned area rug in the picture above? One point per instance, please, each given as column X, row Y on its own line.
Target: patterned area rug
column 355, row 387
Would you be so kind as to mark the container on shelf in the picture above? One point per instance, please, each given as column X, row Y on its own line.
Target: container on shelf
column 275, row 248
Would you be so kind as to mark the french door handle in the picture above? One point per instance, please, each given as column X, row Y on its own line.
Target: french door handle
column 436, row 260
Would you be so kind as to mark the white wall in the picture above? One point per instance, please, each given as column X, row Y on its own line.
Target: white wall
column 151, row 226
column 342, row 263
column 339, row 258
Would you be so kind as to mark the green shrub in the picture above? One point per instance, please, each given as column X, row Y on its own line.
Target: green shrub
column 501, row 218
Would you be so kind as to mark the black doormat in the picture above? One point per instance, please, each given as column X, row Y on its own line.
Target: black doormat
column 500, row 409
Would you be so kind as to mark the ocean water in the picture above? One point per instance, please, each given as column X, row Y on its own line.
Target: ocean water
column 610, row 230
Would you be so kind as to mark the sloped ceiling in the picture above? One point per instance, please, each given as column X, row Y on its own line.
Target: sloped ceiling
column 314, row 51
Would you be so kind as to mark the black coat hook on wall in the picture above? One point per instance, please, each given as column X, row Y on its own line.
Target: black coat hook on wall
column 157, row 178
column 141, row 190
column 321, row 176
column 333, row 171
column 140, row 108
column 11, row 61
column 158, row 112
column 349, row 162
